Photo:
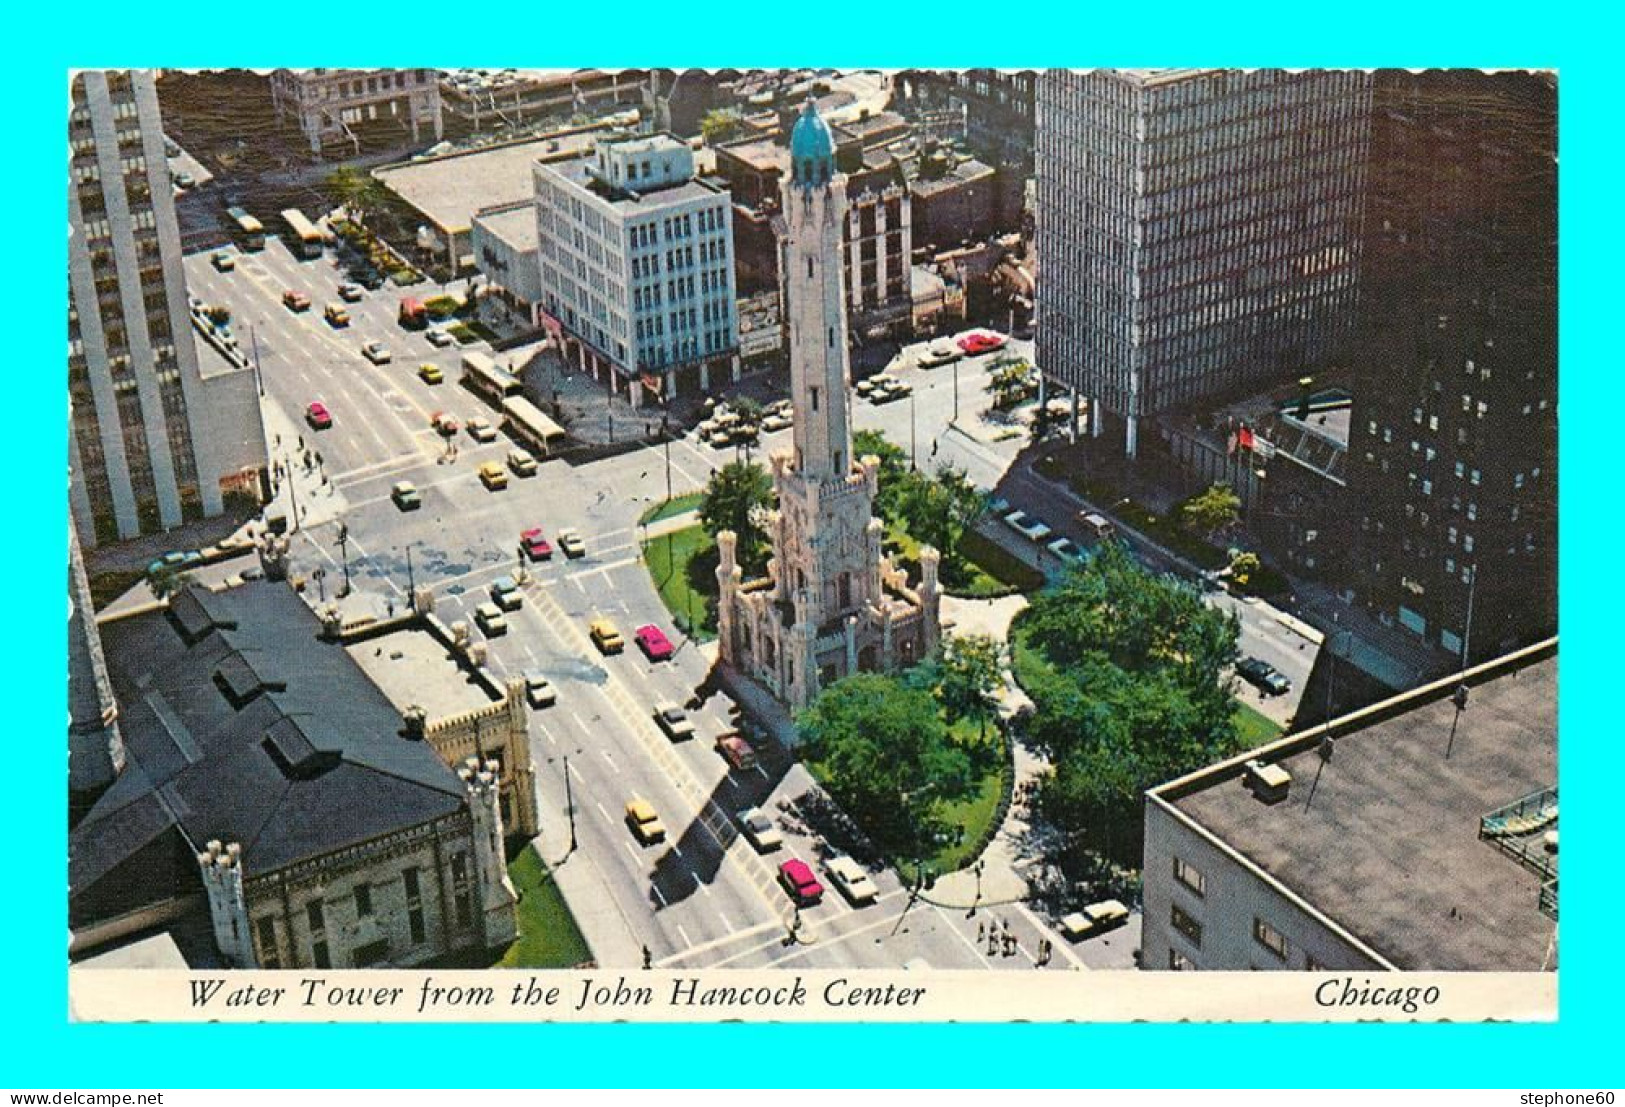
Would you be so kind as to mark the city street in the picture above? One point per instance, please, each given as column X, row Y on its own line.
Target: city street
column 703, row 897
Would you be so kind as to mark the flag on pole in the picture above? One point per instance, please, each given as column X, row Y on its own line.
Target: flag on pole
column 1244, row 437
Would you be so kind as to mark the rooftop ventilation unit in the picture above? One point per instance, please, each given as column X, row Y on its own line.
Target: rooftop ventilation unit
column 1269, row 783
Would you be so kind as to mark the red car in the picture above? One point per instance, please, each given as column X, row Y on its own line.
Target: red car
column 653, row 642
column 981, row 343
column 318, row 416
column 799, row 882
column 445, row 424
column 535, row 546
column 295, row 300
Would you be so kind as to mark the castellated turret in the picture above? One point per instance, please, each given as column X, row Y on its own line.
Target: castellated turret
column 222, row 870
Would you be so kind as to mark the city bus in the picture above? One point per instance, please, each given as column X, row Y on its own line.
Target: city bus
column 304, row 240
column 250, row 231
column 482, row 377
column 528, row 426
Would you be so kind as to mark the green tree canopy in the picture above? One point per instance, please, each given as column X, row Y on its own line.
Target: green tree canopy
column 893, row 469
column 166, row 580
column 971, row 672
column 1212, row 510
column 1138, row 693
column 937, row 510
column 721, row 124
column 886, row 756
column 734, row 499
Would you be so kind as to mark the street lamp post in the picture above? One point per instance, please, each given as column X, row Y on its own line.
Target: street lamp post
column 344, row 555
column 955, row 419
column 913, row 436
column 320, row 575
column 569, row 803
column 668, row 467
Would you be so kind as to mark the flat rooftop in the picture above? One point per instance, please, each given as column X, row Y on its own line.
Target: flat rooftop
column 580, row 172
column 515, row 225
column 449, row 190
column 412, row 667
column 1386, row 841
column 761, row 154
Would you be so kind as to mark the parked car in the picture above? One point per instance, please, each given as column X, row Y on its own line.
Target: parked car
column 605, row 636
column 646, row 825
column 653, row 642
column 1065, row 549
column 430, row 373
column 493, row 476
column 317, row 415
column 439, row 337
column 536, row 547
column 481, row 430
column 1035, row 530
column 940, row 352
column 572, row 545
column 223, row 261
column 759, row 830
column 175, row 559
column 294, row 300
column 505, row 593
column 737, row 752
column 184, row 180
column 673, row 721
column 797, row 879
column 1263, row 676
column 866, row 386
column 522, row 464
column 490, row 619
column 776, row 422
column 336, row 316
column 1094, row 919
column 350, row 293
column 405, row 494
column 981, row 342
column 852, row 879
column 539, row 691
column 376, row 352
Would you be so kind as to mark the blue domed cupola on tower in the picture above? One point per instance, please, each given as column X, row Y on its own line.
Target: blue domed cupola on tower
column 812, row 150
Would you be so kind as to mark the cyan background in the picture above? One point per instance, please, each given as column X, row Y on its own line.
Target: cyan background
column 40, row 1049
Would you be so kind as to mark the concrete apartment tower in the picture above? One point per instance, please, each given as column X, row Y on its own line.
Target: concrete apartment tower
column 157, row 438
column 1198, row 233
column 835, row 605
column 95, row 746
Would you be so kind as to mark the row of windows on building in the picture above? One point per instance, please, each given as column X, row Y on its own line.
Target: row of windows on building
column 316, row 919
column 362, row 86
column 1265, row 936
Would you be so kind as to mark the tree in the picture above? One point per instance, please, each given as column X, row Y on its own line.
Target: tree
column 1244, row 566
column 1137, row 693
column 893, row 469
column 361, row 193
column 720, row 125
column 937, row 510
column 971, row 672
column 735, row 497
column 1213, row 510
column 166, row 580
column 885, row 757
column 748, row 408
column 1010, row 380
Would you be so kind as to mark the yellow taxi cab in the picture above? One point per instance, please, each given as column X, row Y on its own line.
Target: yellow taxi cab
column 493, row 475
column 605, row 636
column 645, row 824
column 430, row 373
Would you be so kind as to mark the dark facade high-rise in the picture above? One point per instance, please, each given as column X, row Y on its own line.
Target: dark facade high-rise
column 1453, row 445
column 1198, row 232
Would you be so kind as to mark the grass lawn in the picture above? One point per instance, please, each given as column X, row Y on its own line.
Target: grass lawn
column 1253, row 728
column 667, row 559
column 993, row 572
column 688, row 501
column 548, row 936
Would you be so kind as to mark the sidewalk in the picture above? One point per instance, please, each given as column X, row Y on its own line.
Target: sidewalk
column 609, row 936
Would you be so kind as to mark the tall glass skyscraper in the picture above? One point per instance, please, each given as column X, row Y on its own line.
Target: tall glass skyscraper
column 1198, row 232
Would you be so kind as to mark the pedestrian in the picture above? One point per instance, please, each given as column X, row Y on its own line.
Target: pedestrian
column 981, row 929
column 648, row 957
column 279, row 440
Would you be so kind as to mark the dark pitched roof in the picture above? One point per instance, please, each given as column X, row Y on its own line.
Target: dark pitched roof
column 242, row 725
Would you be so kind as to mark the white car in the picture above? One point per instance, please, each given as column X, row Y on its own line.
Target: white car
column 481, row 430
column 438, row 336
column 489, row 617
column 759, row 830
column 376, row 352
column 941, row 352
column 538, row 691
column 852, row 879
